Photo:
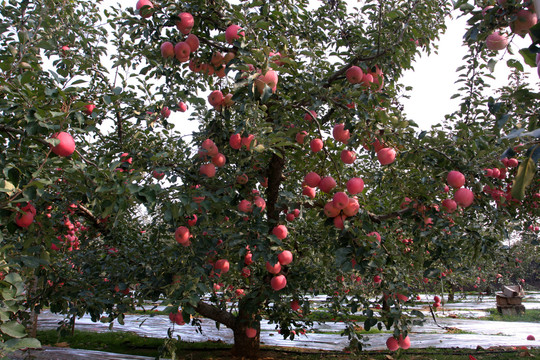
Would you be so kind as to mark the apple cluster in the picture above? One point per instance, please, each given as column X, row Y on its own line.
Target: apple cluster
column 520, row 19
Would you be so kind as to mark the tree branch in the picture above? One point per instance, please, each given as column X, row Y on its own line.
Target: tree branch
column 216, row 314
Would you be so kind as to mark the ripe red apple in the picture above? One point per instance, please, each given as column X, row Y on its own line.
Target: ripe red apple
column 531, row 338
column 165, row 112
column 310, row 116
column 295, row 305
column 339, row 221
column 139, row 6
column 404, row 343
column 270, row 78
column 182, row 106
column 402, row 297
column 167, row 50
column 66, row 147
column 354, row 74
column 248, row 258
column 215, row 98
column 208, row 170
column 309, row 192
column 192, row 221
column 235, row 141
column 280, row 232
column 455, row 179
column 222, row 266
column 496, row 41
column 232, row 33
column 524, row 21
column 437, row 299
column 290, row 217
column 376, row 235
column 512, row 162
column 182, row 235
column 386, row 156
column 217, row 59
column 259, row 202
column 327, row 184
column 89, row 108
column 312, row 179
column 377, row 279
column 285, row 257
column 193, row 42
column 316, row 145
column 158, row 175
column 182, row 51
column 352, row 207
column 464, row 197
column 392, row 343
column 242, row 179
column 186, row 22
column 24, row 220
column 348, row 156
column 340, row 200
column 300, row 137
column 245, row 206
column 278, row 282
column 219, row 160
column 247, row 140
column 355, row 186
column 367, row 80
column 450, row 205
column 251, row 333
column 330, row 210
column 273, row 269
column 340, row 133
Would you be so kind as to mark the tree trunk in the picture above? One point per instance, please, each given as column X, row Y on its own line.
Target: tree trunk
column 33, row 312
column 451, row 293
column 245, row 346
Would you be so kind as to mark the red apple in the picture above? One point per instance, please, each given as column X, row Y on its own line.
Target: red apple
column 339, row 221
column 182, row 51
column 208, row 170
column 248, row 258
column 215, row 98
column 235, row 141
column 376, row 235
column 310, row 116
column 340, row 200
column 316, row 145
column 392, row 343
column 186, row 22
column 232, row 33
column 280, row 232
column 348, row 156
column 531, row 338
column 270, row 78
column 404, row 343
column 355, row 186
column 278, row 282
column 340, row 133
column 352, row 207
column 24, row 220
column 158, row 175
column 66, row 147
column 295, row 305
column 259, row 202
column 251, row 333
column 354, row 74
column 219, row 160
column 330, row 210
column 327, row 184
column 386, row 156
column 222, row 266
column 309, row 192
column 142, row 12
column 89, row 108
column 182, row 235
column 455, row 179
column 496, row 41
column 450, row 205
column 165, row 112
column 273, row 269
column 242, row 179
column 182, row 106
column 247, row 140
column 464, row 197
column 193, row 42
column 312, row 179
column 167, row 50
column 524, row 21
column 300, row 137
column 245, row 206
column 285, row 257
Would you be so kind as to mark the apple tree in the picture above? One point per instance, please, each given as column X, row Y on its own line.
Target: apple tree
column 305, row 175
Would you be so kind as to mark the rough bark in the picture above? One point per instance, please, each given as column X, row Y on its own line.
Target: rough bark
column 244, row 346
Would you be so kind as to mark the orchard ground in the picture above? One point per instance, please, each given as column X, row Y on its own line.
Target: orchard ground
column 458, row 325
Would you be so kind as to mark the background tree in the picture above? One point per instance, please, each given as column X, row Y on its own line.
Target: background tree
column 298, row 92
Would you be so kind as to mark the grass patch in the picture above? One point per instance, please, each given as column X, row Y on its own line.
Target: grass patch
column 529, row 316
column 129, row 343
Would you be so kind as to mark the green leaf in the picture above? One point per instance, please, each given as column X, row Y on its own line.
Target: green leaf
column 528, row 57
column 13, row 329
column 525, row 175
column 16, row 344
column 515, row 64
